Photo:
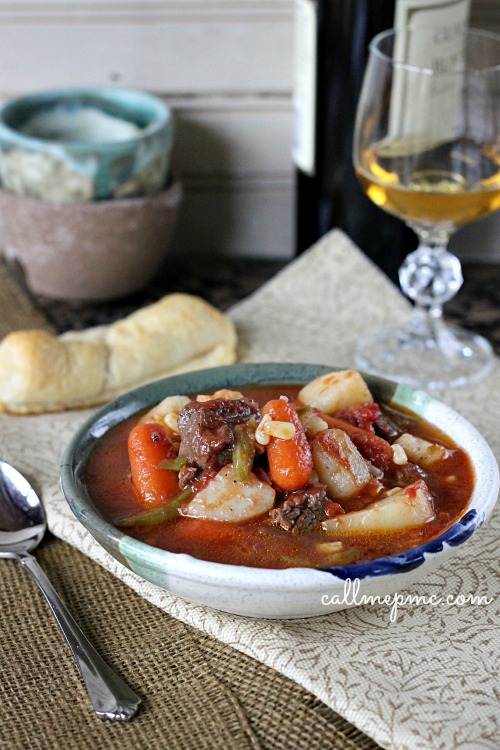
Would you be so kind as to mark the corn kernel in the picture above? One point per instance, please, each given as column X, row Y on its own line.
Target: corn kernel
column 399, row 455
column 260, row 435
column 171, row 421
column 282, row 430
column 272, row 428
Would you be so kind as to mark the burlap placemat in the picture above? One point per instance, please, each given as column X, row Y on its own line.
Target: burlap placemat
column 427, row 681
column 198, row 693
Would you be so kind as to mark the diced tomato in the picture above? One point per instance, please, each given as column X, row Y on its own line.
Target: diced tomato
column 333, row 509
column 360, row 415
column 371, row 446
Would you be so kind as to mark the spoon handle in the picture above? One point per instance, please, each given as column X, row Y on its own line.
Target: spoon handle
column 110, row 696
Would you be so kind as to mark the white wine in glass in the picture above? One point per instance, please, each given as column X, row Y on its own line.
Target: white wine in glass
column 427, row 150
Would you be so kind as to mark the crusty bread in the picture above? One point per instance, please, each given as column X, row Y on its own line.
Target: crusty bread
column 42, row 372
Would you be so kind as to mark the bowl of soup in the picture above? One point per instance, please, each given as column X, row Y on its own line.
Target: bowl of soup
column 269, row 489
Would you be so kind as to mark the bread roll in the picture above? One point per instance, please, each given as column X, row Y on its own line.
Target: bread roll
column 42, row 372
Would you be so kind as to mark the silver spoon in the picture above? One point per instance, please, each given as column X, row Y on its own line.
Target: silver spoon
column 22, row 526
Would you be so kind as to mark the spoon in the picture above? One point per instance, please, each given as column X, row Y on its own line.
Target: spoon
column 22, row 526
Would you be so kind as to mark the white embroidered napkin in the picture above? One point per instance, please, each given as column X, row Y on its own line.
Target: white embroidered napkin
column 429, row 680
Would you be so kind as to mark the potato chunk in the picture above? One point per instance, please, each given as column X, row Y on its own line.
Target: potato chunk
column 226, row 499
column 339, row 465
column 420, row 451
column 335, row 391
column 401, row 509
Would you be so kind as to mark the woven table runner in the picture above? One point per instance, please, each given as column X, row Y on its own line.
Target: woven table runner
column 428, row 681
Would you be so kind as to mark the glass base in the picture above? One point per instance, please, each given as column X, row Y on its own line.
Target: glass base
column 435, row 357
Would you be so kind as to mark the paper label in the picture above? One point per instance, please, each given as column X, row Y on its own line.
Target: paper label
column 414, row 97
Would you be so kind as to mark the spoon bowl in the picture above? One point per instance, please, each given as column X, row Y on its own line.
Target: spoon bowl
column 22, row 517
column 22, row 527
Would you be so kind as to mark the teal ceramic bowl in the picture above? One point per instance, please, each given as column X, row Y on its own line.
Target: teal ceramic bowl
column 257, row 592
column 85, row 144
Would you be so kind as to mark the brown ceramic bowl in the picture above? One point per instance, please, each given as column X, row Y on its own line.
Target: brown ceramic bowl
column 94, row 251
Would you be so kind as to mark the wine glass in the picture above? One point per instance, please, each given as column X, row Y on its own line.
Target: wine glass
column 427, row 149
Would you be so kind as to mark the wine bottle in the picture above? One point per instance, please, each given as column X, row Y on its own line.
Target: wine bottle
column 331, row 49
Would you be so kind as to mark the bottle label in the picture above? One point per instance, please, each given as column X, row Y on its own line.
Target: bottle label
column 446, row 17
column 431, row 13
column 304, row 86
column 439, row 47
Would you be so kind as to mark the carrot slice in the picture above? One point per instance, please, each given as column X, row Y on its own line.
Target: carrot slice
column 148, row 446
column 290, row 461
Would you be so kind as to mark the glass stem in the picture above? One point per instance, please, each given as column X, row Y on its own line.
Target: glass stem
column 430, row 276
column 424, row 351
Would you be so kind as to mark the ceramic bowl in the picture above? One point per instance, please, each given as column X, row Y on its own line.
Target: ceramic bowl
column 88, row 252
column 295, row 592
column 85, row 144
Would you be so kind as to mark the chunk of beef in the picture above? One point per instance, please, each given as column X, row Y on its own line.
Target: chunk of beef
column 194, row 478
column 302, row 510
column 386, row 428
column 186, row 476
column 391, row 425
column 402, row 476
column 207, row 429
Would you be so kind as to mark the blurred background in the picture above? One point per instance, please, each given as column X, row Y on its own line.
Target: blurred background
column 226, row 69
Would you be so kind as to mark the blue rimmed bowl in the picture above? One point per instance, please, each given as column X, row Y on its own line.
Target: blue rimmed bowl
column 294, row 592
column 85, row 144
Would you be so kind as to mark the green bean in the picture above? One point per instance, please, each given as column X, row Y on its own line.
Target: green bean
column 173, row 464
column 155, row 516
column 303, row 409
column 243, row 453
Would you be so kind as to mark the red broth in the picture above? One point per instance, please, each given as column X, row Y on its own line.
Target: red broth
column 258, row 543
